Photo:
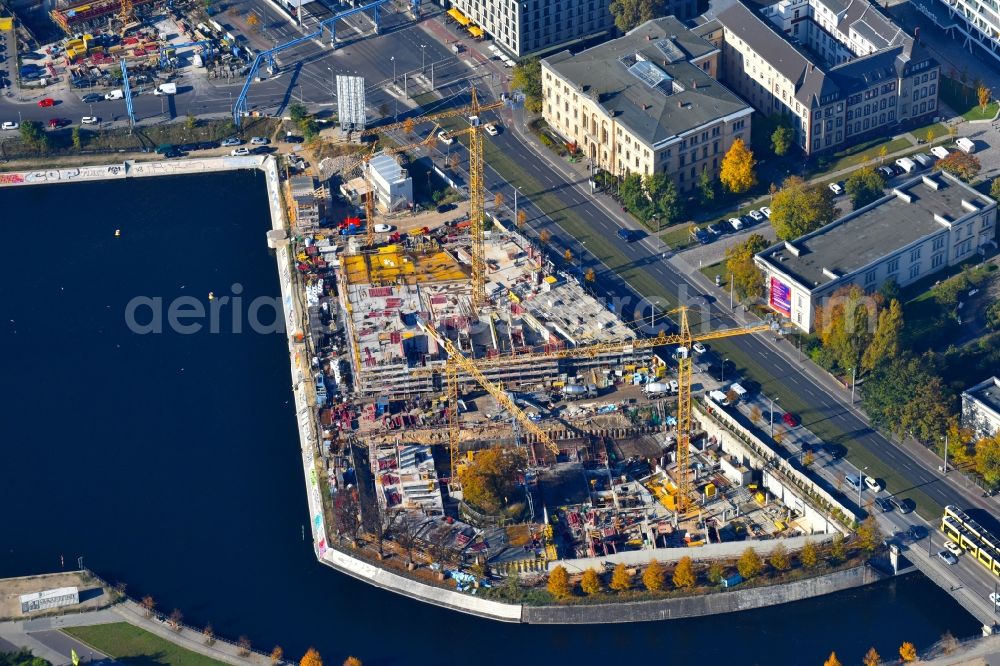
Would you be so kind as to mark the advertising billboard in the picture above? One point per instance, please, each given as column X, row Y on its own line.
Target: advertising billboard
column 781, row 297
column 351, row 102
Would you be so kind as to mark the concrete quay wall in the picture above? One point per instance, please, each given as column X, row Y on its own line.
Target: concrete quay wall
column 130, row 169
column 740, row 599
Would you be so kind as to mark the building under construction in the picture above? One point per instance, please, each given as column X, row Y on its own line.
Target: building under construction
column 390, row 292
column 83, row 16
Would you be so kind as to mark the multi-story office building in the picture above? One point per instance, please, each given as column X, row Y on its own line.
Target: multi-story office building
column 540, row 26
column 921, row 227
column 645, row 103
column 977, row 20
column 981, row 408
column 841, row 70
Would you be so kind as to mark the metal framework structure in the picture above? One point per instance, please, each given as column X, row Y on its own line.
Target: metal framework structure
column 458, row 361
column 127, row 90
column 370, row 194
column 476, row 188
column 240, row 107
column 176, row 47
column 684, row 339
column 126, row 13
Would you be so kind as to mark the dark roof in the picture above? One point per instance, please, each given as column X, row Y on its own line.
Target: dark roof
column 646, row 81
column 812, row 80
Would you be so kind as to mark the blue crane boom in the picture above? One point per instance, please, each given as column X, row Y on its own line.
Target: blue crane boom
column 241, row 108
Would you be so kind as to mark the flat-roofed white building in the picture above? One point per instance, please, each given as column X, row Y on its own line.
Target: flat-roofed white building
column 46, row 599
column 923, row 226
column 981, row 408
column 393, row 185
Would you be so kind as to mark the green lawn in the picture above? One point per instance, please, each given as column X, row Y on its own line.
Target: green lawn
column 938, row 130
column 866, row 152
column 134, row 645
column 718, row 268
column 963, row 100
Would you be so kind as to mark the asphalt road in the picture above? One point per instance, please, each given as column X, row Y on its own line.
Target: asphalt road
column 306, row 74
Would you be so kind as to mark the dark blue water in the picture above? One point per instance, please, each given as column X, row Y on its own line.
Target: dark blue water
column 171, row 462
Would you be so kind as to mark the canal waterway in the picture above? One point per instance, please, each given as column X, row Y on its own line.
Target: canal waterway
column 170, row 461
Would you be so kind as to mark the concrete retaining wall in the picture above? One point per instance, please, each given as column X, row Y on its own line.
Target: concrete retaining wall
column 709, row 604
column 130, row 169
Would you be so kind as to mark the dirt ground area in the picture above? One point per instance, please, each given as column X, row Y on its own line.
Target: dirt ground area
column 92, row 595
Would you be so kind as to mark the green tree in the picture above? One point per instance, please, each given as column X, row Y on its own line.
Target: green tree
column 33, row 135
column 782, row 139
column 844, row 326
column 864, row 186
column 298, row 113
column 591, row 582
column 749, row 564
column 684, row 575
column 838, row 551
column 558, row 584
column 621, row 580
column 961, row 165
column 808, row 556
column 528, row 79
column 630, row 13
column 663, row 195
column 869, row 534
column 988, row 459
column 491, row 478
column 992, row 314
column 737, row 172
column 706, row 187
column 309, row 128
column 77, row 139
column 654, row 576
column 779, row 558
column 885, row 341
column 715, row 573
column 748, row 281
column 995, row 188
column 905, row 395
column 799, row 207
column 191, row 122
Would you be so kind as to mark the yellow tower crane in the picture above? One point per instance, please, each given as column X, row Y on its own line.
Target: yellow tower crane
column 369, row 193
column 126, row 14
column 685, row 339
column 458, row 361
column 476, row 191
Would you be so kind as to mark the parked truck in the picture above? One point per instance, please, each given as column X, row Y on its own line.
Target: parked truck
column 166, row 89
column 115, row 94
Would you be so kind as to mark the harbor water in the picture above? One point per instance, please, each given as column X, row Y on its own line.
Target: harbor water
column 168, row 457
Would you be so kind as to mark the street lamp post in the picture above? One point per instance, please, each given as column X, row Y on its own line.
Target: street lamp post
column 771, row 415
column 422, row 52
column 945, row 472
column 861, row 483
column 393, row 59
column 722, row 375
column 854, row 375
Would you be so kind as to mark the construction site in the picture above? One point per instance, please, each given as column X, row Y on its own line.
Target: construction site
column 446, row 350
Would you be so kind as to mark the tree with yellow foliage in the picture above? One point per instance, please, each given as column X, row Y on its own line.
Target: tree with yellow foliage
column 684, row 575
column 737, row 173
column 621, row 581
column 311, row 658
column 277, row 654
column 871, row 658
column 591, row 582
column 654, row 576
column 558, row 584
column 832, row 660
column 352, row 661
column 907, row 652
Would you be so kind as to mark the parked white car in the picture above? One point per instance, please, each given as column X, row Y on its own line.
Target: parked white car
column 766, row 212
column 491, row 129
column 836, row 188
column 756, row 215
column 10, row 125
column 89, row 120
column 240, row 152
column 873, row 485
